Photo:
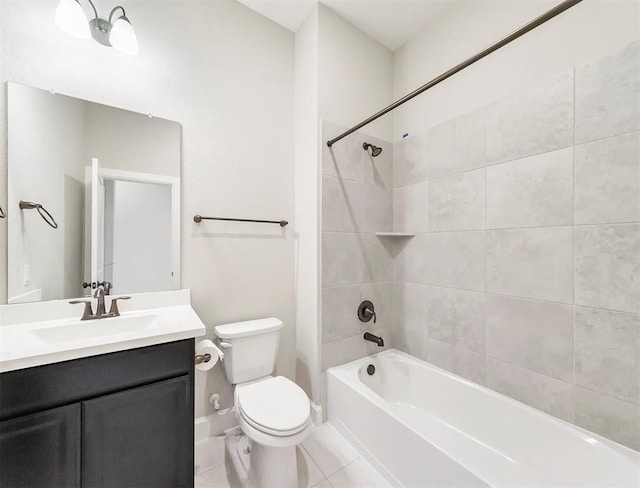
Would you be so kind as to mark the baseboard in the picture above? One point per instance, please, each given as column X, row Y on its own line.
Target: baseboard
column 316, row 414
column 213, row 424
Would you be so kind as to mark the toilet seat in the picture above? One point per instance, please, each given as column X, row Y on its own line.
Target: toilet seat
column 275, row 406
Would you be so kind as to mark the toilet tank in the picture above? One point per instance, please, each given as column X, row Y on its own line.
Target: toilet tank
column 250, row 348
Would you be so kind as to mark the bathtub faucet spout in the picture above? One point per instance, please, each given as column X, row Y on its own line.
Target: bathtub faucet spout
column 373, row 338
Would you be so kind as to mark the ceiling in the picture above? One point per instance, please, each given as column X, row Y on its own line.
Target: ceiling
column 390, row 22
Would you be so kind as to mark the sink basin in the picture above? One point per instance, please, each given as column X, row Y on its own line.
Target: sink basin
column 49, row 332
column 89, row 329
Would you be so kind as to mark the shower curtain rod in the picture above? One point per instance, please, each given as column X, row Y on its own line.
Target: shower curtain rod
column 550, row 14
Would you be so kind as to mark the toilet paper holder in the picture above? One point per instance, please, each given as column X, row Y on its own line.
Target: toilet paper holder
column 202, row 358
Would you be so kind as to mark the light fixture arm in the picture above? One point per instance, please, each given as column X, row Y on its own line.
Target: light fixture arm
column 95, row 10
column 124, row 14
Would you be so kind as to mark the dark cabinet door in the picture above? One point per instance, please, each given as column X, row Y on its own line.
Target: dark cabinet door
column 139, row 437
column 42, row 449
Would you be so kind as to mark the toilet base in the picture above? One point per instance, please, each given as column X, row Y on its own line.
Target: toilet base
column 260, row 466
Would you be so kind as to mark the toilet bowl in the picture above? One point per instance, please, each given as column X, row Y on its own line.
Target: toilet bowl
column 273, row 413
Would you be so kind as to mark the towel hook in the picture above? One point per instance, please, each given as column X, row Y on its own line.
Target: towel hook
column 2, row 213
column 46, row 216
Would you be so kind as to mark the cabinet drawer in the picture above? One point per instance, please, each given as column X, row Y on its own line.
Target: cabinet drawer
column 32, row 389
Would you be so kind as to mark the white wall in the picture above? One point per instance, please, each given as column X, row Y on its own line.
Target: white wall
column 226, row 74
column 585, row 32
column 110, row 137
column 355, row 76
column 307, row 206
column 48, row 132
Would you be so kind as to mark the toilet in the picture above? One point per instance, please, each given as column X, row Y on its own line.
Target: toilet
column 273, row 413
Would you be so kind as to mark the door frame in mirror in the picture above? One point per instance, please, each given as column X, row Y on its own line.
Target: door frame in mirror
column 174, row 183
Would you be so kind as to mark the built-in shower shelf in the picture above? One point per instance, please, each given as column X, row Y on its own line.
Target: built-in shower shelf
column 394, row 234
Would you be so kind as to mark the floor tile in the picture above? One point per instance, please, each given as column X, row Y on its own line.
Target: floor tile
column 329, row 449
column 222, row 476
column 357, row 474
column 308, row 472
column 210, row 453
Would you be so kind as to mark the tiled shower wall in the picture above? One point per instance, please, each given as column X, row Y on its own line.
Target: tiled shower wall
column 357, row 196
column 524, row 274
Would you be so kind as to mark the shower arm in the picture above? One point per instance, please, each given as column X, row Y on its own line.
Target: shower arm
column 548, row 15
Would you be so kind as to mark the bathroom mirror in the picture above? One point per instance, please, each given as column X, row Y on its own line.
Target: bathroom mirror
column 93, row 198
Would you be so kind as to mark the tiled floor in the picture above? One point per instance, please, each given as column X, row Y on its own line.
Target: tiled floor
column 325, row 460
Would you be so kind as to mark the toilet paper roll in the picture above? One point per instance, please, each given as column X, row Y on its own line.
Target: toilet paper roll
column 207, row 347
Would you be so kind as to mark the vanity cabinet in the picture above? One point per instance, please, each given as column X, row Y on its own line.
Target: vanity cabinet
column 123, row 419
column 41, row 449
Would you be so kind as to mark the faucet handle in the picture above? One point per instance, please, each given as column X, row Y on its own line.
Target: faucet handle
column 113, row 310
column 366, row 311
column 88, row 311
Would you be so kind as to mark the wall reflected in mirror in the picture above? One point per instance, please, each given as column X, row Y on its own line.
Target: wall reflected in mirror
column 110, row 181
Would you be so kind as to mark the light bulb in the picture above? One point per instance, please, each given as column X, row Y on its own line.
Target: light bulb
column 122, row 36
column 71, row 19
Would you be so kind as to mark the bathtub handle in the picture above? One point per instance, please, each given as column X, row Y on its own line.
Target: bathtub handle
column 372, row 312
column 366, row 311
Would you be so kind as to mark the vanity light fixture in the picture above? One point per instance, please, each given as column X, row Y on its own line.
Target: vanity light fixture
column 70, row 17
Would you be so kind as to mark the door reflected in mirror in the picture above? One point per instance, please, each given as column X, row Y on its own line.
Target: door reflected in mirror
column 109, row 179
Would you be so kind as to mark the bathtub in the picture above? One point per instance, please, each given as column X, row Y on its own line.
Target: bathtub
column 423, row 427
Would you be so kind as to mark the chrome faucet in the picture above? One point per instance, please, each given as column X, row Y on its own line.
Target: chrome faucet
column 101, row 312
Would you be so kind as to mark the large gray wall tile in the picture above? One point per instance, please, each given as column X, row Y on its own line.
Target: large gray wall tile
column 534, row 335
column 378, row 258
column 608, row 180
column 411, row 262
column 608, row 96
column 542, row 392
column 378, row 170
column 531, row 192
column 457, row 202
column 533, row 121
column 410, row 304
column 342, row 205
column 608, row 417
column 410, row 160
column 607, row 353
column 345, row 158
column 458, row 144
column 378, row 211
column 607, row 266
column 468, row 364
column 411, row 342
column 341, row 259
column 456, row 317
column 456, row 259
column 381, row 295
column 410, row 208
column 531, row 263
column 339, row 319
column 351, row 348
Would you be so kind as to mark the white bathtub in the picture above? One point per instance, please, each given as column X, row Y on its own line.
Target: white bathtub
column 426, row 427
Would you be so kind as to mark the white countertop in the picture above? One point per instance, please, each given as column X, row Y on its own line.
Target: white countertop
column 34, row 334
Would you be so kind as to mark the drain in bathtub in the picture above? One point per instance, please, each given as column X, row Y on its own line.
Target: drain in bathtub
column 371, row 369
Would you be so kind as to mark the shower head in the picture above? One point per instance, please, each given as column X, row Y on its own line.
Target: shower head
column 375, row 150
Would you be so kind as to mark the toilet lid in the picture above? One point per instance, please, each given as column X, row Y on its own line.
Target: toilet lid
column 276, row 404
